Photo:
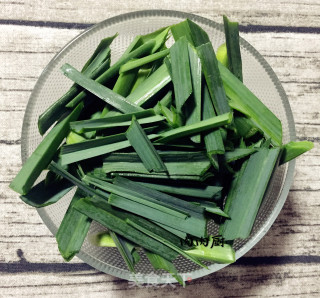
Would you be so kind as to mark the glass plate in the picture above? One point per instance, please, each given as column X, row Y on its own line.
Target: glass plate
column 258, row 76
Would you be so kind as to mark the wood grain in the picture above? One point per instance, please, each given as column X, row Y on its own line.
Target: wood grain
column 245, row 280
column 284, row 263
column 271, row 13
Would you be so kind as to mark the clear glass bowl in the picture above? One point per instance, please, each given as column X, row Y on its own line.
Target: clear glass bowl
column 258, row 76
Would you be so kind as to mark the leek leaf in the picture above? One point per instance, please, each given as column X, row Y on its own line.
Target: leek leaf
column 238, row 154
column 110, row 122
column 154, row 227
column 211, row 207
column 219, row 254
column 212, row 140
column 243, row 100
column 199, row 36
column 231, row 30
column 110, row 97
column 95, row 147
column 142, row 61
column 246, row 193
column 43, row 154
column 56, row 168
column 101, row 53
column 165, row 242
column 129, row 256
column 213, row 78
column 176, row 163
column 159, row 37
column 149, row 87
column 147, row 193
column 142, row 75
column 195, row 224
column 181, row 76
column 195, row 128
column 125, row 82
column 72, row 230
column 113, row 70
column 172, row 116
column 166, row 101
column 159, row 262
column 57, row 109
column 245, row 127
column 123, row 87
column 193, row 32
column 222, row 55
column 203, row 191
column 42, row 195
column 164, row 176
column 108, row 218
column 144, row 148
column 294, row 149
column 92, row 124
column 193, row 108
column 181, row 29
column 176, row 232
column 136, row 197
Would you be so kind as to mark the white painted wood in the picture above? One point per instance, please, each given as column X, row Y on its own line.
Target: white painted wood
column 271, row 13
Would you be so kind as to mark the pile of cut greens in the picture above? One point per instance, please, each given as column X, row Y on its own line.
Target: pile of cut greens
column 156, row 145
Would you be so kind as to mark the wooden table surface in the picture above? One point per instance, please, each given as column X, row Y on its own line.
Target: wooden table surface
column 285, row 262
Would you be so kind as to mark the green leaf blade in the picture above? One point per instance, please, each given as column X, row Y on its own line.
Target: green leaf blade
column 243, row 100
column 142, row 61
column 123, row 193
column 195, row 128
column 144, row 93
column 114, row 70
column 144, row 148
column 219, row 254
column 176, row 162
column 95, row 147
column 42, row 195
column 110, row 97
column 213, row 140
column 193, row 108
column 212, row 75
column 204, row 192
column 125, row 251
column 247, row 192
column 181, row 76
column 165, row 242
column 72, row 230
column 233, row 47
column 158, row 262
column 92, row 68
column 43, row 154
column 109, row 218
column 293, row 149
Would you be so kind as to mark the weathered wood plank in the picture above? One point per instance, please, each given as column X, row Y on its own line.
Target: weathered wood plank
column 274, row 13
column 13, row 101
column 233, row 281
column 22, row 39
